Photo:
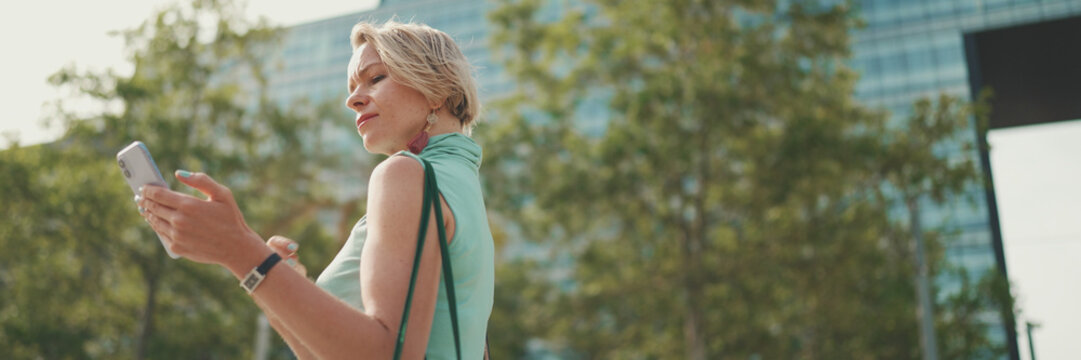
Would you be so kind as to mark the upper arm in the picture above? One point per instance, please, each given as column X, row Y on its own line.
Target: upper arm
column 395, row 194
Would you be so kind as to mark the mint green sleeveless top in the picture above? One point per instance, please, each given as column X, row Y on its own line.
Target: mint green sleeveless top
column 456, row 159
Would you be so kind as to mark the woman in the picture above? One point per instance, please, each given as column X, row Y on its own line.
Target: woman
column 413, row 92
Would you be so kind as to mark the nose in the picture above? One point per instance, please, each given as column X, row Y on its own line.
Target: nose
column 357, row 99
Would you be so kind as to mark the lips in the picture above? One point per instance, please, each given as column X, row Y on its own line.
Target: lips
column 361, row 119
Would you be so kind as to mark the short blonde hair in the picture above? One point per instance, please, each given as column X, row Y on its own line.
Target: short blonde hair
column 427, row 60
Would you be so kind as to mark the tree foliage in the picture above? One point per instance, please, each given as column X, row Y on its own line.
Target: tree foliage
column 736, row 201
column 82, row 276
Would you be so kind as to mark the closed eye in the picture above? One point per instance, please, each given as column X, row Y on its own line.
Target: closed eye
column 371, row 81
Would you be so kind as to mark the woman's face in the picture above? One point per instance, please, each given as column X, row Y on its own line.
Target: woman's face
column 389, row 114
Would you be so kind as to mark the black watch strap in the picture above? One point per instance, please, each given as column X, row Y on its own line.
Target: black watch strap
column 256, row 275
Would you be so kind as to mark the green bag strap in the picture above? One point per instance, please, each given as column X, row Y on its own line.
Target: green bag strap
column 430, row 200
column 444, row 250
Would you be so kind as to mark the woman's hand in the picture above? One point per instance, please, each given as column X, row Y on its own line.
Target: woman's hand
column 288, row 250
column 208, row 231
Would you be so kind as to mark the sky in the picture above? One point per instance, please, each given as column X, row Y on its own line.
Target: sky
column 1037, row 174
column 41, row 37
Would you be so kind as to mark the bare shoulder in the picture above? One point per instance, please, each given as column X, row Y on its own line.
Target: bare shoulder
column 397, row 169
column 395, row 196
column 395, row 189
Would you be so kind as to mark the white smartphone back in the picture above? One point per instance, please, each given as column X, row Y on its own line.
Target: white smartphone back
column 140, row 170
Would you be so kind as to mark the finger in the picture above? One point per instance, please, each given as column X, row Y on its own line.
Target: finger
column 150, row 207
column 205, row 185
column 165, row 196
column 283, row 245
column 160, row 226
column 295, row 264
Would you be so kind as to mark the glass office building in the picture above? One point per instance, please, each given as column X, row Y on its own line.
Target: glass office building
column 908, row 49
column 316, row 54
column 913, row 49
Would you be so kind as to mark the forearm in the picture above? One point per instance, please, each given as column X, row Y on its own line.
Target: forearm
column 299, row 349
column 212, row 230
column 327, row 327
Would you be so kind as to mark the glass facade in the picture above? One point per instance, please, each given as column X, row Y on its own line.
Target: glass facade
column 912, row 49
column 316, row 54
column 907, row 50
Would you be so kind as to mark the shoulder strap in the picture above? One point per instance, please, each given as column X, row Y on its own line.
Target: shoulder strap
column 430, row 200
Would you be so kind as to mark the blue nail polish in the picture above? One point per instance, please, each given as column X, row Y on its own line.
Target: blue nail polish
column 291, row 262
column 183, row 173
column 137, row 198
column 292, row 247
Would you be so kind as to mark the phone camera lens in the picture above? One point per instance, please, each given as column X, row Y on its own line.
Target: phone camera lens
column 127, row 173
column 121, row 163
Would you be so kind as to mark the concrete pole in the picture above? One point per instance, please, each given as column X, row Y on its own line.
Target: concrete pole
column 262, row 337
column 923, row 286
column 1031, row 346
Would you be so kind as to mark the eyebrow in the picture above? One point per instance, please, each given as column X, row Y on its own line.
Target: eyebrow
column 362, row 73
column 364, row 70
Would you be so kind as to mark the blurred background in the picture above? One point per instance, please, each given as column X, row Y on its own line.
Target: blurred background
column 692, row 179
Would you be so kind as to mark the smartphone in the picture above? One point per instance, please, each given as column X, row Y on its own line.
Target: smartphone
column 140, row 170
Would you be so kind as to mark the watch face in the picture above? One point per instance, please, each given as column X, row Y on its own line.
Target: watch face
column 251, row 281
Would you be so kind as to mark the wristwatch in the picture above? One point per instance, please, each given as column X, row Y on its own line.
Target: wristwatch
column 256, row 275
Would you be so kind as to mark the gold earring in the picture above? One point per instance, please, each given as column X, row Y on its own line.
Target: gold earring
column 432, row 118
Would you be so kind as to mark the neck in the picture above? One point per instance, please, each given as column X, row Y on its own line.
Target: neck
column 441, row 126
column 447, row 124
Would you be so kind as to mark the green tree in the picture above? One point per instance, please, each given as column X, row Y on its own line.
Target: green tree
column 735, row 203
column 930, row 160
column 83, row 277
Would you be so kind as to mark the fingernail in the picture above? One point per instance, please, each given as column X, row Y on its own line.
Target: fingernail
column 291, row 262
column 292, row 247
column 183, row 173
column 141, row 189
column 142, row 209
column 137, row 198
